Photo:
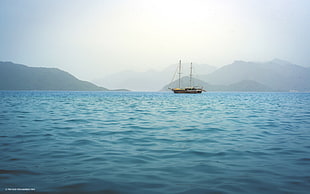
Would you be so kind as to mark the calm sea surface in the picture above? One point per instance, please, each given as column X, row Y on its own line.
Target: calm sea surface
column 144, row 142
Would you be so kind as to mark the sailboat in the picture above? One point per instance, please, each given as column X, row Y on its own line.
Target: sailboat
column 190, row 89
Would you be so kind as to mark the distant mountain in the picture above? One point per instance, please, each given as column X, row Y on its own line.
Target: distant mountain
column 149, row 80
column 275, row 75
column 20, row 77
column 137, row 81
column 247, row 86
column 242, row 86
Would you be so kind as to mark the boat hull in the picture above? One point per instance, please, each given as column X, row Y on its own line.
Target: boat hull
column 187, row 91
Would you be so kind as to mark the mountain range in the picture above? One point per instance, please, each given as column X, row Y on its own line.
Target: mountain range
column 149, row 80
column 276, row 75
column 271, row 76
column 242, row 86
column 20, row 77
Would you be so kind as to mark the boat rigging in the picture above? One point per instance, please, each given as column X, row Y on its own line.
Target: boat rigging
column 190, row 89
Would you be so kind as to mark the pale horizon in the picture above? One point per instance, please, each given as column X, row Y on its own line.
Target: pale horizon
column 92, row 39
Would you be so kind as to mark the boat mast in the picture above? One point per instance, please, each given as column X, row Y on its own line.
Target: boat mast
column 190, row 75
column 179, row 73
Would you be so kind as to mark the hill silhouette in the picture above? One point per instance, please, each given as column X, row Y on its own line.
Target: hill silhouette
column 20, row 77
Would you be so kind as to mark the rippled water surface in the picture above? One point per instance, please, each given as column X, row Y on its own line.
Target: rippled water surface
column 131, row 142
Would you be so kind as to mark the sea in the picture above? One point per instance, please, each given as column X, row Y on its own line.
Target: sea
column 154, row 142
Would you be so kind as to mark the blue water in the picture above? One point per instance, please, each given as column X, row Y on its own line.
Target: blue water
column 144, row 142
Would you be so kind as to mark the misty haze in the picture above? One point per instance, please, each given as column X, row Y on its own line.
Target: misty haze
column 154, row 96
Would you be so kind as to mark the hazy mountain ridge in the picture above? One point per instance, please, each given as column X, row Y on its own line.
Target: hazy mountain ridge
column 149, row 80
column 20, row 77
column 277, row 75
column 242, row 86
column 138, row 81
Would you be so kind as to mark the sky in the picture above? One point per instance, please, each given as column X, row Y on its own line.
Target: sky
column 95, row 38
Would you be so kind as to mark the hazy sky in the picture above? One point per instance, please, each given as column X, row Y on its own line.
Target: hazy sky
column 93, row 38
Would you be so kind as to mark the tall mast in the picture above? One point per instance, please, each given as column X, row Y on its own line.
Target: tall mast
column 190, row 75
column 179, row 73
